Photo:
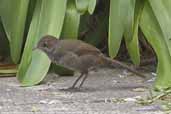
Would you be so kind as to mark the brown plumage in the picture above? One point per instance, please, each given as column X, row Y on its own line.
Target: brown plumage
column 78, row 56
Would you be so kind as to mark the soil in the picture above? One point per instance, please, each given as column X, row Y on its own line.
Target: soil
column 104, row 92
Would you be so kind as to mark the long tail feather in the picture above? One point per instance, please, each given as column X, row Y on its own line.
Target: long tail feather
column 114, row 64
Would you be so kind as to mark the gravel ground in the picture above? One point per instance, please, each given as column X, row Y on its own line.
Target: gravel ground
column 104, row 92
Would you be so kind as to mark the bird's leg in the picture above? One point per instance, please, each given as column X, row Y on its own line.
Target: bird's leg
column 73, row 86
column 82, row 82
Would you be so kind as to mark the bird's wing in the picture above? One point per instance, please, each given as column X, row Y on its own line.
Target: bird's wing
column 71, row 61
column 78, row 47
column 84, row 49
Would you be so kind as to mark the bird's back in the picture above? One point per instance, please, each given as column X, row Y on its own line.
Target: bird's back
column 79, row 47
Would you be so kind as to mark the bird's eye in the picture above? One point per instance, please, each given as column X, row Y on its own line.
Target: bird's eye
column 45, row 44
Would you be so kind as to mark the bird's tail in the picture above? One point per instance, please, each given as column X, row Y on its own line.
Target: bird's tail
column 115, row 64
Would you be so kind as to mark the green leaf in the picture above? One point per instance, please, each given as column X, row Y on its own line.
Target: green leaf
column 118, row 13
column 13, row 16
column 30, row 12
column 81, row 5
column 152, row 30
column 85, row 5
column 4, row 45
column 133, row 45
column 35, row 72
column 48, row 18
column 91, row 6
column 162, row 12
column 129, row 20
column 72, row 21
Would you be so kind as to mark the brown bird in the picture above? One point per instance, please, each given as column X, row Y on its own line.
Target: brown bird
column 78, row 56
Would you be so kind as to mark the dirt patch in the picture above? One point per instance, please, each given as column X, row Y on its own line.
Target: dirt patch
column 104, row 92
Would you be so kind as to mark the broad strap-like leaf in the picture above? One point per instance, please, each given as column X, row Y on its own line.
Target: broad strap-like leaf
column 118, row 14
column 153, row 33
column 37, row 69
column 71, row 22
column 85, row 5
column 48, row 18
column 162, row 12
column 133, row 44
column 13, row 14
column 91, row 6
column 129, row 19
column 80, row 5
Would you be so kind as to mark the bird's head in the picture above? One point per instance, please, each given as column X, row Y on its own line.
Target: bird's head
column 47, row 43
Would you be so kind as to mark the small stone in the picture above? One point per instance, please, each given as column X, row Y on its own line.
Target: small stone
column 115, row 81
column 151, row 80
column 125, row 72
column 138, row 97
column 121, row 76
column 8, row 89
column 130, row 99
column 53, row 102
column 154, row 74
column 43, row 102
column 139, row 89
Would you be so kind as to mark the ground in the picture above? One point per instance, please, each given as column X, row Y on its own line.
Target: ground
column 104, row 92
